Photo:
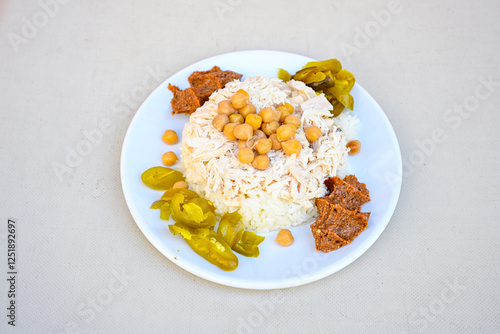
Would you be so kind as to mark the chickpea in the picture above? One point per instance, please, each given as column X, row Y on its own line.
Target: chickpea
column 293, row 120
column 170, row 137
column 267, row 115
column 239, row 100
column 355, row 146
column 284, row 238
column 220, row 121
column 270, row 128
column 254, row 120
column 283, row 109
column 289, row 107
column 277, row 115
column 243, row 131
column 286, row 132
column 169, row 158
column 291, row 146
column 284, row 114
column 180, row 184
column 229, row 131
column 236, row 118
column 242, row 91
column 276, row 144
column 263, row 145
column 261, row 162
column 247, row 110
column 225, row 108
column 312, row 133
column 259, row 134
column 245, row 155
column 242, row 144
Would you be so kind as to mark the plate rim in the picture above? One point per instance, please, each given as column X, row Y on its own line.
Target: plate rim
column 276, row 284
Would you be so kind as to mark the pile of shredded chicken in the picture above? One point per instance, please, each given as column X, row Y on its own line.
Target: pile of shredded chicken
column 209, row 158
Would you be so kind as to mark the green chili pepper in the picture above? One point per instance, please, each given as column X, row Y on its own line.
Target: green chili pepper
column 322, row 85
column 284, row 75
column 249, row 244
column 333, row 65
column 165, row 211
column 347, row 76
column 209, row 245
column 304, row 73
column 329, row 78
column 188, row 194
column 342, row 96
column 338, row 107
column 164, row 207
column 312, row 75
column 185, row 231
column 204, row 204
column 192, row 214
column 161, row 178
column 157, row 204
column 231, row 228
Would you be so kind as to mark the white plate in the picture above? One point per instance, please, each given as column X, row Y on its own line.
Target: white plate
column 378, row 165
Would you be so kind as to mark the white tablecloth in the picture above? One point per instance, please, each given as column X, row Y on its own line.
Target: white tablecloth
column 69, row 68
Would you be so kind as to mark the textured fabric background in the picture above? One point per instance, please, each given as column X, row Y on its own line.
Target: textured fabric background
column 85, row 267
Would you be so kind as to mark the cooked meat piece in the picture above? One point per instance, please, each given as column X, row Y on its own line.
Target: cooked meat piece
column 327, row 241
column 345, row 223
column 206, row 87
column 184, row 101
column 330, row 183
column 323, row 206
column 323, row 209
column 228, row 76
column 353, row 181
column 223, row 77
column 194, row 78
column 340, row 221
column 338, row 228
column 345, row 194
column 203, row 84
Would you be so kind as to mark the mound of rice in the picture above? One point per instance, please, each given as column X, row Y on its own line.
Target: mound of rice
column 283, row 195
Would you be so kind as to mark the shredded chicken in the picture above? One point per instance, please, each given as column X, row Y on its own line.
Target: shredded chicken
column 209, row 158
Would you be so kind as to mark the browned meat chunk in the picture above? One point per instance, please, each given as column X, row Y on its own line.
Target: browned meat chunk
column 228, row 76
column 323, row 207
column 340, row 221
column 196, row 77
column 184, row 101
column 345, row 194
column 206, row 87
column 203, row 84
column 353, row 181
column 223, row 76
column 338, row 228
column 345, row 223
column 327, row 241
